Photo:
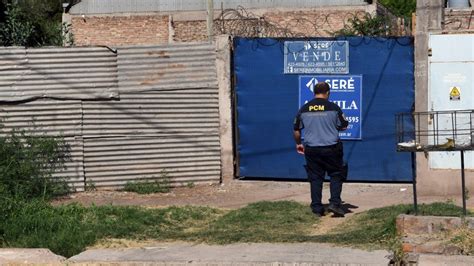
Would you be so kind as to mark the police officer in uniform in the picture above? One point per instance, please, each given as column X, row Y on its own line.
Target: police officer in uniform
column 322, row 120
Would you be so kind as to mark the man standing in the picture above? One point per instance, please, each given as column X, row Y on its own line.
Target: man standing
column 322, row 120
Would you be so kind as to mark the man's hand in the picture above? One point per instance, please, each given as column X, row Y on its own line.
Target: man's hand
column 300, row 148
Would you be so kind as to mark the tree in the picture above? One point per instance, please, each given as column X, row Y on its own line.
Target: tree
column 16, row 30
column 400, row 8
column 32, row 22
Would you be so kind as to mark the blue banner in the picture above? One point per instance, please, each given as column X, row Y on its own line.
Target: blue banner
column 346, row 91
column 266, row 102
column 318, row 57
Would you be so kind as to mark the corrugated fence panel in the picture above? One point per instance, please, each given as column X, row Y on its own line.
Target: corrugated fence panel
column 179, row 66
column 152, row 113
column 60, row 73
column 113, row 161
column 51, row 117
column 166, row 121
column 74, row 171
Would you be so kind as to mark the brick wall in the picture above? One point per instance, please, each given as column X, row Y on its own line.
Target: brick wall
column 303, row 23
column 120, row 30
column 154, row 29
column 311, row 23
column 458, row 20
column 190, row 31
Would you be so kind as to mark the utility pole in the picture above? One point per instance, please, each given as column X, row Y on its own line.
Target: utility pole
column 210, row 19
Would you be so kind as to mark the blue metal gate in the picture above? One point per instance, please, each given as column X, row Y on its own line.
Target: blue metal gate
column 267, row 101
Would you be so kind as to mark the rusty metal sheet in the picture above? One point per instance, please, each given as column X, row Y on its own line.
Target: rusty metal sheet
column 170, row 67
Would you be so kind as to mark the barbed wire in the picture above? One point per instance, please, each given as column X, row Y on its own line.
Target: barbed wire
column 455, row 21
column 240, row 22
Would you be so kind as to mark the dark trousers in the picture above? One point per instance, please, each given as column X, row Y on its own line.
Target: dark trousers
column 322, row 160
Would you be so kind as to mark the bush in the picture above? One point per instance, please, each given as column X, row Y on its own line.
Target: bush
column 27, row 163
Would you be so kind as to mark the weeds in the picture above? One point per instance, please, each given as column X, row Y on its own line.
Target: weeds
column 397, row 256
column 69, row 229
column 27, row 163
column 283, row 221
column 89, row 186
column 463, row 238
column 160, row 185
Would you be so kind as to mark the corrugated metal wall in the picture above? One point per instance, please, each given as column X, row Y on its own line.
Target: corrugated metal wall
column 136, row 114
column 131, row 6
column 61, row 73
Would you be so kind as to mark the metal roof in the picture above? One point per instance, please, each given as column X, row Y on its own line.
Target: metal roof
column 88, row 7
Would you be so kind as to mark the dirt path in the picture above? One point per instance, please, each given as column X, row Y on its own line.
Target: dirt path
column 240, row 193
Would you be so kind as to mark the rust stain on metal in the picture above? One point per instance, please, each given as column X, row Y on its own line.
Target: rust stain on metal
column 161, row 54
column 152, row 79
column 176, row 66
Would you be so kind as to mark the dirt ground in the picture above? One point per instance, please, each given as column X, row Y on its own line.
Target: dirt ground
column 358, row 197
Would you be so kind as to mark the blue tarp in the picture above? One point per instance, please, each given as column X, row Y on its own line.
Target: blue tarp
column 267, row 101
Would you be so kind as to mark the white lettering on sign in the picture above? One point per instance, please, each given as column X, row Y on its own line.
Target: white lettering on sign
column 346, row 106
column 341, row 84
column 315, row 56
column 321, row 45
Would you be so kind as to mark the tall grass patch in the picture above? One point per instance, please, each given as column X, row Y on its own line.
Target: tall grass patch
column 282, row 221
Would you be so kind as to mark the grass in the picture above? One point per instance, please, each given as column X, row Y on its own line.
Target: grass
column 463, row 238
column 161, row 185
column 69, row 229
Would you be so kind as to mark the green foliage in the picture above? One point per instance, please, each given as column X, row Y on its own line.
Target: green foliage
column 400, row 8
column 160, row 185
column 16, row 30
column 27, row 163
column 463, row 238
column 33, row 23
column 376, row 228
column 69, row 229
column 283, row 221
column 89, row 186
column 367, row 25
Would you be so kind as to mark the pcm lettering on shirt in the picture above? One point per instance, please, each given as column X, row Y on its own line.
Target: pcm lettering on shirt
column 321, row 121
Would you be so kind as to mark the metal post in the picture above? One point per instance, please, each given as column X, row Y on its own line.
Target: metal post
column 413, row 171
column 210, row 19
column 463, row 184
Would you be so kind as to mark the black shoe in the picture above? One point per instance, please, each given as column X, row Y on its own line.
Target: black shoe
column 319, row 214
column 337, row 210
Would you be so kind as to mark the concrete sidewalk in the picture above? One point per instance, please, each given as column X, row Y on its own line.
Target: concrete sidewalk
column 235, row 254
